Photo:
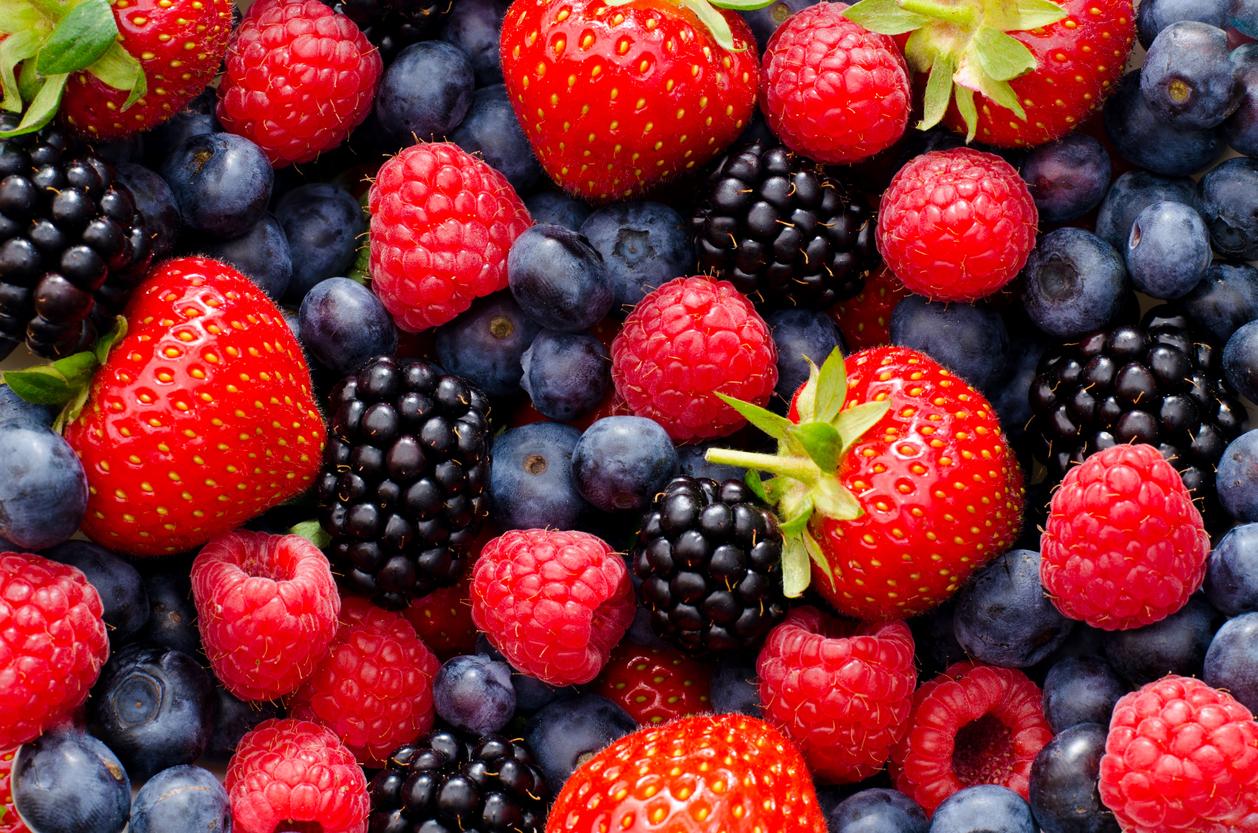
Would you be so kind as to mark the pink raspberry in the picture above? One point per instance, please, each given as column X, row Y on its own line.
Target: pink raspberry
column 266, row 609
column 554, row 603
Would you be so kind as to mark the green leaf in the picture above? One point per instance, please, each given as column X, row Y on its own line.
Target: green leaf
column 856, row 420
column 969, row 113
column 999, row 55
column 832, row 500
column 972, row 78
column 742, row 5
column 16, row 48
column 884, row 16
column 313, row 532
column 43, row 385
column 77, row 369
column 361, row 270
column 72, row 410
column 796, row 571
column 770, row 423
column 797, row 524
column 106, row 342
column 831, row 387
column 817, row 556
column 753, row 481
column 938, row 91
column 821, row 442
column 19, row 17
column 715, row 21
column 43, row 106
column 119, row 69
column 80, row 38
column 1023, row 15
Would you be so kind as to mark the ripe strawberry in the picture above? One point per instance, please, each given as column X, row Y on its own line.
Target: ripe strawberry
column 443, row 619
column 655, row 684
column 895, row 479
column 617, row 98
column 865, row 320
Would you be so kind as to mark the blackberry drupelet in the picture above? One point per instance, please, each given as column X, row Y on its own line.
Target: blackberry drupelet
column 403, row 489
column 72, row 244
column 774, row 223
column 393, row 25
column 710, row 559
column 444, row 784
column 1159, row 382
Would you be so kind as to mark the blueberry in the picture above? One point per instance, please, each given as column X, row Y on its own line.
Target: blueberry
column 195, row 119
column 156, row 203
column 1064, row 775
column 1232, row 661
column 182, row 799
column 343, row 324
column 877, row 810
column 1175, row 645
column 43, row 488
column 491, row 131
column 233, row 719
column 1067, row 178
column 121, row 589
column 485, row 344
column 425, row 92
column 1243, row 16
column 1152, row 16
column 1130, row 194
column 1168, row 250
column 1241, row 128
column 935, row 639
column 530, row 478
column 968, row 339
column 474, row 693
column 1228, row 201
column 69, row 782
column 987, row 808
column 644, row 245
column 475, row 26
column 565, row 733
column 1240, row 361
column 765, row 21
column 1237, row 478
column 1073, row 282
column 1187, row 78
column 154, row 707
column 221, row 183
column 1225, row 299
column 1143, row 139
column 172, row 614
column 566, row 374
column 1003, row 616
column 1232, row 572
column 620, row 462
column 559, row 279
column 323, row 224
column 261, row 254
column 557, row 208
column 531, row 694
column 734, row 688
column 15, row 408
column 691, row 462
column 800, row 334
column 1081, row 690
column 1010, row 399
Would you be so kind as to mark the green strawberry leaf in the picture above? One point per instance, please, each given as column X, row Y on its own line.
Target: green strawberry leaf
column 969, row 112
column 972, row 78
column 42, row 385
column 79, row 40
column 77, row 369
column 817, row 556
column 831, row 387
column 313, row 532
column 16, row 48
column 753, row 481
column 361, row 270
column 106, row 342
column 19, row 16
column 938, row 91
column 884, row 16
column 999, row 55
column 770, row 423
column 1023, row 15
column 121, row 70
column 796, row 525
column 832, row 500
column 856, row 420
column 715, row 21
column 796, row 572
column 72, row 409
column 43, row 105
column 820, row 442
column 742, row 5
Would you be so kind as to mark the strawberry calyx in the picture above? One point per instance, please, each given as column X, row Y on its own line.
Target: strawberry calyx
column 964, row 46
column 805, row 468
column 706, row 11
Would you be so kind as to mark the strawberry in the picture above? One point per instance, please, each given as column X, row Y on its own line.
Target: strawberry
column 617, row 98
column 655, row 684
column 865, row 320
column 895, row 481
column 443, row 619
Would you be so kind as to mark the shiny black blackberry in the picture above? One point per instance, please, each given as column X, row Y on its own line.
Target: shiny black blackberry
column 403, row 490
column 72, row 244
column 1159, row 382
column 775, row 224
column 393, row 25
column 444, row 784
column 710, row 559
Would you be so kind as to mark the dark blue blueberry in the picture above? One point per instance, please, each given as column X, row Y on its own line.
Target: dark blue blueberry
column 474, row 693
column 800, row 334
column 182, row 799
column 530, row 478
column 233, row 719
column 620, row 462
column 121, row 589
column 935, row 640
column 1232, row 661
column 734, row 687
column 1241, row 128
column 261, row 254
column 764, row 22
column 221, row 183
column 1081, row 690
column 475, row 26
column 1130, row 194
column 968, row 339
column 1010, row 399
column 1145, row 140
column 1237, row 478
column 425, row 92
column 1152, row 16
column 531, row 694
column 69, row 782
column 1243, row 15
column 559, row 279
column 691, row 462
column 1187, row 78
column 566, row 374
column 1073, row 283
column 565, row 733
column 1225, row 299
column 1227, row 198
column 154, row 200
column 15, row 408
column 1175, row 645
column 1168, row 250
column 129, row 151
column 877, row 810
column 1232, row 572
column 1003, row 616
column 172, row 614
column 1067, row 178
column 1240, row 361
column 644, row 245
column 196, row 118
column 343, row 324
column 557, row 208
column 485, row 344
column 154, row 707
column 43, row 488
column 324, row 226
column 491, row 131
column 1064, row 775
column 987, row 808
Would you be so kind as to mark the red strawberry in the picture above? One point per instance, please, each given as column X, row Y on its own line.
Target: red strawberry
column 655, row 684
column 617, row 98
column 865, row 320
column 443, row 619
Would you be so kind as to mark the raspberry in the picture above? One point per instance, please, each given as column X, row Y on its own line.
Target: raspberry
column 973, row 724
column 554, row 603
column 831, row 89
column 1124, row 545
column 1181, row 755
column 374, row 689
column 956, row 225
column 266, row 609
column 294, row 775
column 9, row 821
column 840, row 690
column 442, row 223
column 52, row 643
column 685, row 342
column 299, row 79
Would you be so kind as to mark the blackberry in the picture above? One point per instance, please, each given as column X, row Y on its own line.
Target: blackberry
column 403, row 490
column 1159, row 382
column 774, row 223
column 393, row 25
column 72, row 243
column 444, row 784
column 710, row 559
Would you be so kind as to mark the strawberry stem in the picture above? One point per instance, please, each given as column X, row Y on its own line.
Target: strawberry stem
column 797, row 468
column 965, row 16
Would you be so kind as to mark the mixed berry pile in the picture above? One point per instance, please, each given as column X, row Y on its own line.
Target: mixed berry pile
column 653, row 416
